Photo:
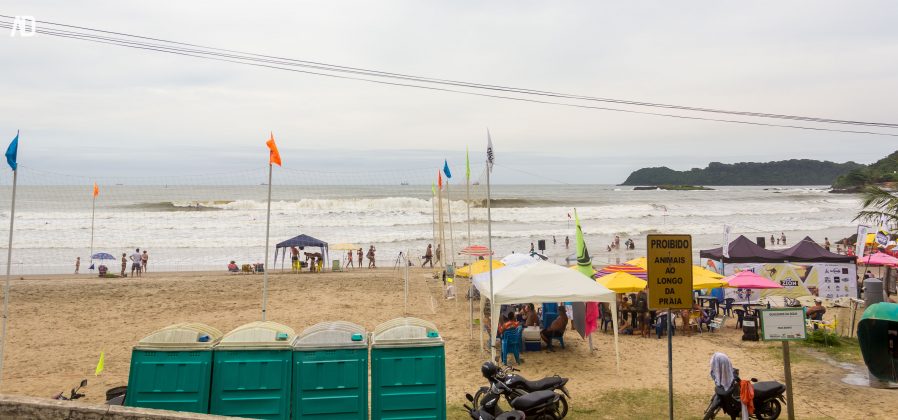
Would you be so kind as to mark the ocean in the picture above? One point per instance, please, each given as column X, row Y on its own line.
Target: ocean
column 203, row 227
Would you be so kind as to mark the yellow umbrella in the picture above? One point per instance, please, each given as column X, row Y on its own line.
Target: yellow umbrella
column 697, row 272
column 621, row 282
column 575, row 267
column 479, row 266
column 707, row 282
column 344, row 247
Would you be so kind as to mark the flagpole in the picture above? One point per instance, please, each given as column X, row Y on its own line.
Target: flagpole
column 265, row 265
column 442, row 229
column 12, row 218
column 489, row 233
column 93, row 208
column 449, row 211
column 468, row 205
column 433, row 215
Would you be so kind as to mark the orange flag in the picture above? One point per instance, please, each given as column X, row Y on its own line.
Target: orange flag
column 274, row 157
column 440, row 180
column 96, row 190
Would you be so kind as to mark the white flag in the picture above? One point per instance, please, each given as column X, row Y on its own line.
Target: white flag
column 726, row 241
column 490, row 159
column 861, row 240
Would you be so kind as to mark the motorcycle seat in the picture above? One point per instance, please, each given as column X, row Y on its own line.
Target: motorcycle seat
column 551, row 382
column 532, row 400
column 767, row 389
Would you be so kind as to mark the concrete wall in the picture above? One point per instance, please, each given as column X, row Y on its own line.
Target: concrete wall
column 21, row 407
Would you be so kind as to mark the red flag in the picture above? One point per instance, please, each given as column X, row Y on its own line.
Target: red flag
column 96, row 190
column 440, row 180
column 274, row 158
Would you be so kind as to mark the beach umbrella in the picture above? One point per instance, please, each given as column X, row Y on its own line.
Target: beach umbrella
column 623, row 268
column 475, row 251
column 345, row 247
column 622, row 282
column 515, row 260
column 879, row 258
column 577, row 267
column 102, row 256
column 707, row 282
column 750, row 280
column 479, row 266
column 697, row 272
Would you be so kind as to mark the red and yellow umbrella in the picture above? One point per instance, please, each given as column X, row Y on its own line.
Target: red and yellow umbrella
column 475, row 251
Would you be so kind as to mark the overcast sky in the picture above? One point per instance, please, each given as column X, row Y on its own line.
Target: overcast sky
column 87, row 108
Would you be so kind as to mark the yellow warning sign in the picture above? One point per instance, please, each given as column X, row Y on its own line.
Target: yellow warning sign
column 670, row 271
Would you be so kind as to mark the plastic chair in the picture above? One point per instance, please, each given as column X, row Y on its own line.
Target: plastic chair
column 740, row 314
column 661, row 325
column 728, row 306
column 606, row 318
column 549, row 317
column 511, row 343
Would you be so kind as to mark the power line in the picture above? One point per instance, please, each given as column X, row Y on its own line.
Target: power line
column 272, row 62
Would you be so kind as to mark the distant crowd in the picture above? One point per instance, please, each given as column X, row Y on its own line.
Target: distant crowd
column 139, row 263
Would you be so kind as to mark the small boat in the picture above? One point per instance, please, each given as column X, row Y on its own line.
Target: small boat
column 404, row 183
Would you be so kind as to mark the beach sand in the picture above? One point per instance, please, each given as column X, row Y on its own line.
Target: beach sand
column 60, row 324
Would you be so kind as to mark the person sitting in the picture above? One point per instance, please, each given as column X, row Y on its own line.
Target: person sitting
column 530, row 318
column 102, row 270
column 559, row 325
column 815, row 313
column 626, row 328
column 232, row 267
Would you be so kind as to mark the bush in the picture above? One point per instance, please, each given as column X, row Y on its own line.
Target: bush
column 822, row 337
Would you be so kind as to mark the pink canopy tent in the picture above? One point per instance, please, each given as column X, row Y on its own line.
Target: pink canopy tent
column 750, row 280
column 879, row 258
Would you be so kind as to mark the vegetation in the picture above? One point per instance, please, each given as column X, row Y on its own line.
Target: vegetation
column 882, row 171
column 785, row 172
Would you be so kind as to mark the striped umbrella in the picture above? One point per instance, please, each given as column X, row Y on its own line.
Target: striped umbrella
column 623, row 268
column 475, row 251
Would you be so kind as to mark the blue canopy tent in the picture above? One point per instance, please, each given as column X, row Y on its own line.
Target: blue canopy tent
column 300, row 242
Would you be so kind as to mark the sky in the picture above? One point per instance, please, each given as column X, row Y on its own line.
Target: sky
column 92, row 109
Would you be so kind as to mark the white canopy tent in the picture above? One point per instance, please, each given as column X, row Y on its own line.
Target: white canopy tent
column 514, row 260
column 543, row 282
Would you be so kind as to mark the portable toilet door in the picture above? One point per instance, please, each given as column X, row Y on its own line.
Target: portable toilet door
column 408, row 371
column 171, row 369
column 251, row 375
column 330, row 372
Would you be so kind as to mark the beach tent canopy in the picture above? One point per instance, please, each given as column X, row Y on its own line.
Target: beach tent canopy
column 514, row 260
column 300, row 241
column 541, row 282
column 807, row 250
column 743, row 250
column 879, row 258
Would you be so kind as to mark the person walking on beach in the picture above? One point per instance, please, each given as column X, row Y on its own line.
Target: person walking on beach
column 771, row 239
column 360, row 257
column 371, row 263
column 554, row 241
column 77, row 264
column 826, row 243
column 135, row 262
column 567, row 242
column 783, row 238
column 144, row 258
column 439, row 253
column 349, row 259
column 531, row 247
column 428, row 256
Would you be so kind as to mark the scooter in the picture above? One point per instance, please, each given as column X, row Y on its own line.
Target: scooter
column 520, row 385
column 768, row 400
column 74, row 395
column 480, row 414
column 540, row 405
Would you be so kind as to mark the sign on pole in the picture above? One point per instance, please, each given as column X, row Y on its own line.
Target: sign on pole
column 670, row 271
column 783, row 324
column 861, row 240
column 882, row 237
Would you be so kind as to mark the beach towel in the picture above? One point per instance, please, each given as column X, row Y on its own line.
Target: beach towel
column 747, row 395
column 592, row 315
column 721, row 370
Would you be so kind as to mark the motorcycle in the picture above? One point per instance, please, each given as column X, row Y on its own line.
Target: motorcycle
column 481, row 414
column 540, row 405
column 74, row 395
column 768, row 400
column 520, row 385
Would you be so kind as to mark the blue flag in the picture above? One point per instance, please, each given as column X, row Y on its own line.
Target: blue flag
column 446, row 169
column 11, row 152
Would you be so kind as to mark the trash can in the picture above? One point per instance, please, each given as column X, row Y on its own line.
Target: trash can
column 251, row 375
column 750, row 327
column 330, row 372
column 408, row 371
column 171, row 369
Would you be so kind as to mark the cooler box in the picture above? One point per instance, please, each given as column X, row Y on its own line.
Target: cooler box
column 251, row 375
column 532, row 340
column 171, row 369
column 330, row 372
column 408, row 371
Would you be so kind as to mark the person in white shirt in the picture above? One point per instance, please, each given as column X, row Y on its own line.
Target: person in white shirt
column 136, row 262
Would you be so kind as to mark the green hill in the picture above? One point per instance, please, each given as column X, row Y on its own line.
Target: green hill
column 882, row 171
column 784, row 172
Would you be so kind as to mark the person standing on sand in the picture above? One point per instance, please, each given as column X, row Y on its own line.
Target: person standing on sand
column 371, row 263
column 135, row 262
column 124, row 263
column 360, row 257
column 349, row 259
column 428, row 256
column 826, row 243
column 439, row 253
column 77, row 264
column 554, row 241
column 144, row 258
column 771, row 239
column 567, row 242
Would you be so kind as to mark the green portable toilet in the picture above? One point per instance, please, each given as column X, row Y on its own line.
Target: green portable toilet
column 251, row 374
column 330, row 372
column 171, row 369
column 408, row 371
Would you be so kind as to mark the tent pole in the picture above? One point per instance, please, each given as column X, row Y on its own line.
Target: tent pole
column 449, row 211
column 489, row 228
column 12, row 218
column 265, row 265
column 442, row 231
column 614, row 324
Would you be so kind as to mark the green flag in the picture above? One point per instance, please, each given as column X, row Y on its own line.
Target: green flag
column 584, row 262
column 467, row 165
column 433, row 188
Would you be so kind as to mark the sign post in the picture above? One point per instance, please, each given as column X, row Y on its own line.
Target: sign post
column 670, row 286
column 785, row 325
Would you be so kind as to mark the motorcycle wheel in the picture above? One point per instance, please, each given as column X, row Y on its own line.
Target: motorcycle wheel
column 477, row 396
column 771, row 410
column 710, row 413
column 561, row 408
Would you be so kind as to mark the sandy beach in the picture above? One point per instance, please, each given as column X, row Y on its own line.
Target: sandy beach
column 60, row 324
